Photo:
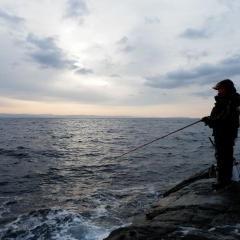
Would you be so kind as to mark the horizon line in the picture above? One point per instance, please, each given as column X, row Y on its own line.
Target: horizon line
column 26, row 115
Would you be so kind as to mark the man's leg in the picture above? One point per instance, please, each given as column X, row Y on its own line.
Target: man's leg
column 224, row 157
column 228, row 163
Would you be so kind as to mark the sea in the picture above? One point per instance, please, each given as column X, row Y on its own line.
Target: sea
column 60, row 178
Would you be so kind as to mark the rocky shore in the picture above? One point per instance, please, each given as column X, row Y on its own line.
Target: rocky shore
column 189, row 211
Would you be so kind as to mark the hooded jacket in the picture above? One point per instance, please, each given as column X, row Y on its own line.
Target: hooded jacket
column 224, row 117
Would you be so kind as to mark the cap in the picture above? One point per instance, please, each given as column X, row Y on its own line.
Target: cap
column 224, row 83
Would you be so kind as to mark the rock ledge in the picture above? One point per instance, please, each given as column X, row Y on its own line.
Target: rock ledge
column 189, row 211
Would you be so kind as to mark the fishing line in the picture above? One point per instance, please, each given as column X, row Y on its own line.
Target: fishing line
column 159, row 138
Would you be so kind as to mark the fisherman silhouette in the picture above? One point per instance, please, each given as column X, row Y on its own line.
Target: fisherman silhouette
column 224, row 120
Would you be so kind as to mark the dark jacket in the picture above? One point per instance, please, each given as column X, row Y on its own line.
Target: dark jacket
column 224, row 118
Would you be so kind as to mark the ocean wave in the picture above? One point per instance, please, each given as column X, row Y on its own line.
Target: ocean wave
column 52, row 224
column 25, row 153
column 17, row 153
column 3, row 183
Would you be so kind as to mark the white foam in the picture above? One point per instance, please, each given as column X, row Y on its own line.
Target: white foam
column 4, row 209
column 230, row 228
column 101, row 211
column 186, row 230
column 212, row 229
column 64, row 225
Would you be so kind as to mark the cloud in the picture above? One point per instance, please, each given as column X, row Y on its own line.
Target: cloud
column 84, row 71
column 192, row 33
column 115, row 75
column 10, row 18
column 152, row 20
column 124, row 45
column 194, row 55
column 202, row 75
column 47, row 54
column 211, row 26
column 123, row 40
column 128, row 48
column 77, row 9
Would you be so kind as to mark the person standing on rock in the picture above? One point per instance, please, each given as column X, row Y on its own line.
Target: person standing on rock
column 224, row 120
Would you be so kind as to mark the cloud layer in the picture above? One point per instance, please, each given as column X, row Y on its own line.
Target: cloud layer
column 128, row 53
column 47, row 54
column 200, row 75
column 77, row 9
column 10, row 18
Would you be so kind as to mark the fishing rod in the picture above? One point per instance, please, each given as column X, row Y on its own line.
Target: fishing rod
column 148, row 143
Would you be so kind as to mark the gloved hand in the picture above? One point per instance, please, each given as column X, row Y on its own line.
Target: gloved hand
column 205, row 120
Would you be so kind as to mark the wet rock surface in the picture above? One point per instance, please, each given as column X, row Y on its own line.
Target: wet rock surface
column 190, row 211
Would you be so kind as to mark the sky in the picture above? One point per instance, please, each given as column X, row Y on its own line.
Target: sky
column 148, row 58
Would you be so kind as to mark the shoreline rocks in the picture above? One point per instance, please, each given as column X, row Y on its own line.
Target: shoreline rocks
column 190, row 211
